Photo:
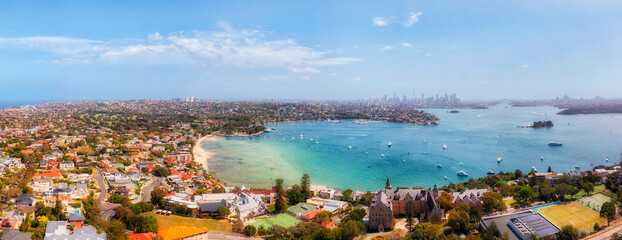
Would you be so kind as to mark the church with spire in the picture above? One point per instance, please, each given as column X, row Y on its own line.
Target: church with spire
column 390, row 203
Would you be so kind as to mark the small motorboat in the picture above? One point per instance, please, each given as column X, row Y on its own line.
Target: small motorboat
column 445, row 177
column 403, row 160
column 555, row 144
column 499, row 159
column 382, row 155
column 462, row 173
column 533, row 168
column 390, row 144
column 576, row 166
column 349, row 147
column 490, row 172
column 439, row 166
column 444, row 146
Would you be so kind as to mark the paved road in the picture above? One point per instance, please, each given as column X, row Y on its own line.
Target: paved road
column 614, row 227
column 145, row 192
column 107, row 209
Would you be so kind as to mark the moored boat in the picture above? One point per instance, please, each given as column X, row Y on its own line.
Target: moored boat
column 554, row 144
column 462, row 173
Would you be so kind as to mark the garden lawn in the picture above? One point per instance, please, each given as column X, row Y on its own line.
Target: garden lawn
column 174, row 220
column 284, row 220
column 581, row 193
column 572, row 213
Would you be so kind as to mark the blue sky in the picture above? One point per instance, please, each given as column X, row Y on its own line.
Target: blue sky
column 240, row 50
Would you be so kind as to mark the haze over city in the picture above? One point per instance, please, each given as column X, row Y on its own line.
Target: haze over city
column 480, row 50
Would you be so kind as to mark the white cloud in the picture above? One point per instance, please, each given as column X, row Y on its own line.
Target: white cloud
column 525, row 66
column 413, row 17
column 405, row 44
column 333, row 74
column 380, row 21
column 155, row 37
column 229, row 47
column 356, row 79
column 428, row 54
column 305, row 70
column 387, row 48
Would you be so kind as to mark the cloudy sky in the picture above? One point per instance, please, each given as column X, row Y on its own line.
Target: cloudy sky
column 241, row 50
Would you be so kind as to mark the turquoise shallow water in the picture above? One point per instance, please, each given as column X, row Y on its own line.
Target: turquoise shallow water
column 474, row 138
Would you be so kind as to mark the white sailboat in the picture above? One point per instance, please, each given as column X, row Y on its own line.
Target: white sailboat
column 444, row 146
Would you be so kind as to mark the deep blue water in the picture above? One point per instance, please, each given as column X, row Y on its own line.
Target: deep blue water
column 474, row 138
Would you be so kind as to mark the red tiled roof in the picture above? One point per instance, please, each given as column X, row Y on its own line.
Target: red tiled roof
column 142, row 236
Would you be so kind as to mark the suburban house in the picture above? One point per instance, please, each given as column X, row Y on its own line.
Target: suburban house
column 66, row 165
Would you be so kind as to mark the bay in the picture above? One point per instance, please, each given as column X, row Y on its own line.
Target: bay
column 475, row 138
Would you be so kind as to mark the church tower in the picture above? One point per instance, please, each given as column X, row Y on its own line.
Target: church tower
column 388, row 185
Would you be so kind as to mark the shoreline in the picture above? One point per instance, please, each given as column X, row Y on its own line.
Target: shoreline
column 199, row 154
column 202, row 157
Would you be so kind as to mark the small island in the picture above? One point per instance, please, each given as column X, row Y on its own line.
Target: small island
column 539, row 124
column 454, row 111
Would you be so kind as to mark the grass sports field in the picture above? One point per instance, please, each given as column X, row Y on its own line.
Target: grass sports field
column 572, row 213
column 173, row 221
column 595, row 201
column 283, row 220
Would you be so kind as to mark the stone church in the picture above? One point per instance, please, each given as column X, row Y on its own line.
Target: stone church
column 392, row 202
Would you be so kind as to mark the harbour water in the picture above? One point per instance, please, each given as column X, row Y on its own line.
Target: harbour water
column 475, row 138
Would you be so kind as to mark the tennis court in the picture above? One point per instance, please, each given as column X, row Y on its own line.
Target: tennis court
column 283, row 220
column 595, row 201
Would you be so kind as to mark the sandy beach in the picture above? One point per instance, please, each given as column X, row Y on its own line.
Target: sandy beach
column 199, row 154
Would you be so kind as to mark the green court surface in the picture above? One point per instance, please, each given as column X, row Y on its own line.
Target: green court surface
column 283, row 220
column 595, row 201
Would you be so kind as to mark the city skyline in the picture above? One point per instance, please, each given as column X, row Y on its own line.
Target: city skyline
column 309, row 50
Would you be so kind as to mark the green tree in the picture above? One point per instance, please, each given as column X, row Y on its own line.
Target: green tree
column 411, row 210
column 295, row 197
column 445, row 200
column 116, row 230
column 348, row 230
column 608, row 211
column 223, row 211
column 238, row 226
column 157, row 195
column 564, row 189
column 366, row 198
column 524, row 194
column 305, row 184
column 567, row 233
column 493, row 201
column 589, row 187
column 324, row 234
column 279, row 205
column 459, row 221
column 347, row 195
column 249, row 230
